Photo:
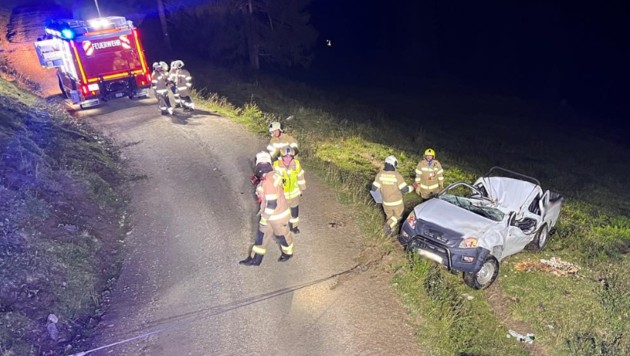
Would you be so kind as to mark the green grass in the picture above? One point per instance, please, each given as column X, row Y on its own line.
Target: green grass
column 345, row 141
column 61, row 206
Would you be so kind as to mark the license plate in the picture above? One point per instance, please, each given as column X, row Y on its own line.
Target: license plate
column 119, row 95
column 430, row 255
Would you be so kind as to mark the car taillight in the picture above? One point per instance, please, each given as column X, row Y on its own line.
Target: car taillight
column 143, row 79
column 84, row 89
column 411, row 220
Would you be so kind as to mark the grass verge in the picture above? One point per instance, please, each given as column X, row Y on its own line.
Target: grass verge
column 61, row 213
column 346, row 140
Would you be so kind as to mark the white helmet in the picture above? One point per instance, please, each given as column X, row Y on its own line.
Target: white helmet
column 164, row 66
column 275, row 126
column 263, row 157
column 391, row 160
column 156, row 65
column 177, row 64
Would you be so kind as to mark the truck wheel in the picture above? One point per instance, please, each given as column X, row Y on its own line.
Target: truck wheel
column 63, row 90
column 485, row 276
column 540, row 240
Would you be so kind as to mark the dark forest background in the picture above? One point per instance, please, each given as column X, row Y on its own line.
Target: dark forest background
column 566, row 54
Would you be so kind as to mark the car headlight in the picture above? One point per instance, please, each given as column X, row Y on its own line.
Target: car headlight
column 469, row 242
column 411, row 220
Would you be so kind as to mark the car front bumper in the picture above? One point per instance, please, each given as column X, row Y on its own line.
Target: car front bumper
column 455, row 259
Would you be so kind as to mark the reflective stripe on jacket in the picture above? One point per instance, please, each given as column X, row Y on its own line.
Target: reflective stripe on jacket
column 292, row 177
column 273, row 205
column 392, row 186
column 429, row 175
column 277, row 143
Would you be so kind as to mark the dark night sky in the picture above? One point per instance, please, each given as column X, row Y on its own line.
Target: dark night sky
column 547, row 50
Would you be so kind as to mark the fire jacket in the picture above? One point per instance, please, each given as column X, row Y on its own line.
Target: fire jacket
column 292, row 177
column 392, row 186
column 160, row 82
column 277, row 143
column 182, row 80
column 273, row 205
column 429, row 176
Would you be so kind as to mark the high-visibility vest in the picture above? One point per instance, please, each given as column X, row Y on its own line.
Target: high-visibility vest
column 292, row 177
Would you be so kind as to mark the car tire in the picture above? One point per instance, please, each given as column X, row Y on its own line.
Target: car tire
column 483, row 278
column 540, row 240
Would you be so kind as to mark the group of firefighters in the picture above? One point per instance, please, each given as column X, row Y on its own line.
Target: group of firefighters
column 389, row 187
column 178, row 80
column 280, row 182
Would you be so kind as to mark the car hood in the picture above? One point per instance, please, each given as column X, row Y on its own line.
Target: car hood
column 448, row 223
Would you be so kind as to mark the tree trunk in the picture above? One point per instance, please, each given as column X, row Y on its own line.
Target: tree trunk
column 252, row 45
column 162, row 14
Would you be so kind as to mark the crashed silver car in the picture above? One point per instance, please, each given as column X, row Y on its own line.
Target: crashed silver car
column 471, row 228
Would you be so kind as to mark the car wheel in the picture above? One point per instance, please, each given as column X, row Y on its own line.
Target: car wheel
column 485, row 276
column 540, row 240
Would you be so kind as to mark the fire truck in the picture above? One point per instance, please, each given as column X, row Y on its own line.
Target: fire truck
column 96, row 60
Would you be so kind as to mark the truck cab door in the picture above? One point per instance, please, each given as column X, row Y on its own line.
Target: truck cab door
column 521, row 231
column 50, row 53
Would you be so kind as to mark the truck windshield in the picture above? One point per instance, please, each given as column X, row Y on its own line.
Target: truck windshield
column 465, row 203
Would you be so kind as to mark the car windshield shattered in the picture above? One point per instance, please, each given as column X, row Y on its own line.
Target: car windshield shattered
column 465, row 203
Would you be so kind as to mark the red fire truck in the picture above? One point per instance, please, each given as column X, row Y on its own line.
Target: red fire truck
column 96, row 60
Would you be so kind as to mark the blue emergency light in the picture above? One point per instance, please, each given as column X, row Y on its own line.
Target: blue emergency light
column 67, row 33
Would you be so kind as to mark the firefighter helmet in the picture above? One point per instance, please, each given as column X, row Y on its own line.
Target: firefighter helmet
column 287, row 151
column 275, row 126
column 177, row 64
column 263, row 157
column 429, row 152
column 156, row 66
column 391, row 160
column 164, row 66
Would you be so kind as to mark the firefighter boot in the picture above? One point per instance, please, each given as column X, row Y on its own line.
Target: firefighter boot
column 284, row 257
column 170, row 111
column 287, row 250
column 252, row 261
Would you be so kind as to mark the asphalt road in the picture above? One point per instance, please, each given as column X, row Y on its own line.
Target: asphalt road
column 182, row 291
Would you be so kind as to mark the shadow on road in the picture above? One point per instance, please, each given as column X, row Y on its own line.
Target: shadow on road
column 184, row 118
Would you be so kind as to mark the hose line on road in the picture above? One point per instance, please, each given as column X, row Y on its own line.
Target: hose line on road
column 191, row 317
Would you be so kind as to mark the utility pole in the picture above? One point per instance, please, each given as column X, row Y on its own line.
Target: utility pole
column 162, row 14
column 98, row 10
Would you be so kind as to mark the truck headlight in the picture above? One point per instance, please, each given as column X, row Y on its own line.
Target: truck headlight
column 469, row 242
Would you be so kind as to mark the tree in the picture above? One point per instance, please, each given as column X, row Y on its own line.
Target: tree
column 254, row 31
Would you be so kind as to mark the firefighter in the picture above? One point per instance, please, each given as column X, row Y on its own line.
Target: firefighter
column 429, row 175
column 181, row 85
column 274, row 213
column 290, row 169
column 280, row 139
column 392, row 186
column 160, row 87
column 156, row 68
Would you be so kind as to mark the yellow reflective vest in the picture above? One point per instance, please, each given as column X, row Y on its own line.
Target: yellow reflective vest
column 292, row 177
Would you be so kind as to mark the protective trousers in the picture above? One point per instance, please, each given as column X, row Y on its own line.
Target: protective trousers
column 283, row 235
column 393, row 214
column 294, row 204
column 163, row 101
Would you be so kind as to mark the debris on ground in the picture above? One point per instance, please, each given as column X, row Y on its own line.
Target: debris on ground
column 528, row 338
column 554, row 265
